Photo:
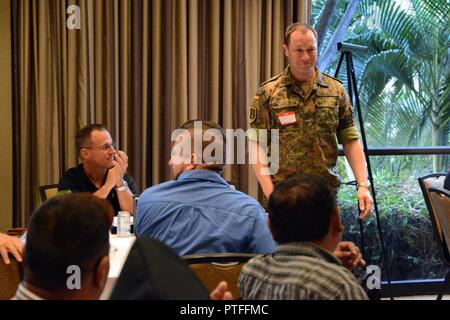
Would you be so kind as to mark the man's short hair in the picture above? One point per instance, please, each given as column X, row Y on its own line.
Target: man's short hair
column 66, row 230
column 303, row 27
column 219, row 132
column 84, row 134
column 300, row 209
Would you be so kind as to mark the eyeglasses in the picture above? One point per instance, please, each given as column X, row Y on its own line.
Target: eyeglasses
column 103, row 147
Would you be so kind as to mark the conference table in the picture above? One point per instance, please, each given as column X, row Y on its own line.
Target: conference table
column 118, row 253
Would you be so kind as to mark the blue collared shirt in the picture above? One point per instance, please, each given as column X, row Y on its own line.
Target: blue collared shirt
column 200, row 213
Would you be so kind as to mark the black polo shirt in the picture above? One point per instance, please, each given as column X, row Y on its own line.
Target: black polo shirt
column 76, row 180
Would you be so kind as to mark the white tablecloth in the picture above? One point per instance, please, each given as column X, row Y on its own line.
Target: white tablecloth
column 118, row 253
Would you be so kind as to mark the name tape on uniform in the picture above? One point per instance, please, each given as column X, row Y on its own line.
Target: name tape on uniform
column 287, row 118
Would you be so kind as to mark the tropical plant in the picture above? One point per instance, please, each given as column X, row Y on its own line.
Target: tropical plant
column 405, row 78
column 411, row 250
column 403, row 82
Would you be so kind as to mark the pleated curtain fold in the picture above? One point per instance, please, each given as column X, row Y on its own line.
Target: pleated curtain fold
column 141, row 68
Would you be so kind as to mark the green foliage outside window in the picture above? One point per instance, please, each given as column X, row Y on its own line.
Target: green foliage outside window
column 404, row 86
column 406, row 227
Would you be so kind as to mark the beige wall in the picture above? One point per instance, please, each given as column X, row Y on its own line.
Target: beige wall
column 6, row 153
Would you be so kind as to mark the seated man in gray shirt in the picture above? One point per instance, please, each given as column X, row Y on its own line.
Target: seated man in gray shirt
column 304, row 220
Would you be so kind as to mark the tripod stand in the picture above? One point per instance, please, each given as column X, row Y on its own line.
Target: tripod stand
column 346, row 52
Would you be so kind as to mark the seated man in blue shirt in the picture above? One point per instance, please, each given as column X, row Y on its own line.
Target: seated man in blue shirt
column 199, row 212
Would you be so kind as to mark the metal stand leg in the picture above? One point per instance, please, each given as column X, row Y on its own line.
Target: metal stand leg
column 444, row 286
column 352, row 87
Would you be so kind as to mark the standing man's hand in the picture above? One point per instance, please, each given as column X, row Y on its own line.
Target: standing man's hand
column 261, row 169
column 355, row 156
column 365, row 202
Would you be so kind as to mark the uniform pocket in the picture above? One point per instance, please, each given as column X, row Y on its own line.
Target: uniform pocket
column 279, row 110
column 327, row 113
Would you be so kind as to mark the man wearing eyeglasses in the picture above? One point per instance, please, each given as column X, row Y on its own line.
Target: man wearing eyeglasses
column 102, row 170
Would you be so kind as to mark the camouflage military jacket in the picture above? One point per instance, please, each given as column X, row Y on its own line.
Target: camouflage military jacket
column 309, row 127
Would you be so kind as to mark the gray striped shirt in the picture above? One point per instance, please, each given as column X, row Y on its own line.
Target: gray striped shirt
column 23, row 293
column 301, row 271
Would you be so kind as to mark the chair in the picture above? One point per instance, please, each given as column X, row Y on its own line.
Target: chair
column 16, row 232
column 10, row 277
column 211, row 268
column 437, row 200
column 48, row 191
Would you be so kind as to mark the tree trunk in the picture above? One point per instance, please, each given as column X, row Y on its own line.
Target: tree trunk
column 325, row 59
column 324, row 21
column 436, row 122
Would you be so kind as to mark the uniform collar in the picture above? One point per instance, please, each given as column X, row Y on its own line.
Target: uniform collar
column 289, row 80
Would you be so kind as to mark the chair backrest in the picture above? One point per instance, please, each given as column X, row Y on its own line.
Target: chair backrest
column 211, row 268
column 10, row 277
column 48, row 191
column 16, row 232
column 437, row 200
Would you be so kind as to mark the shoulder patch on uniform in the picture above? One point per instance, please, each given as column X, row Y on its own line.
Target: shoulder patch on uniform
column 252, row 116
column 327, row 75
column 272, row 79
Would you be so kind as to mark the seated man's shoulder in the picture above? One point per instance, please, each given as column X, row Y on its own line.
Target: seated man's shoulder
column 243, row 200
column 333, row 84
column 74, row 171
column 338, row 278
column 316, row 268
column 257, row 261
column 311, row 278
column 73, row 179
column 157, row 189
column 239, row 194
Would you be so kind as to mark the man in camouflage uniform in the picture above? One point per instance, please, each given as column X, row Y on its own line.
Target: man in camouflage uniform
column 310, row 109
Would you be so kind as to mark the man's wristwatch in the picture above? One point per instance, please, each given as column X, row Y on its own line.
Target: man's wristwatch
column 123, row 187
column 363, row 184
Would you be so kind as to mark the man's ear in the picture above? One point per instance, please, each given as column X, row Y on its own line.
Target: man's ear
column 194, row 162
column 194, row 158
column 285, row 50
column 101, row 273
column 336, row 224
column 269, row 223
column 84, row 153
